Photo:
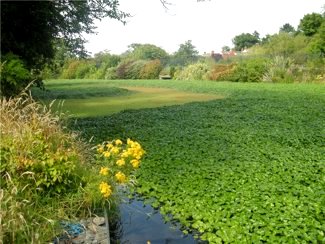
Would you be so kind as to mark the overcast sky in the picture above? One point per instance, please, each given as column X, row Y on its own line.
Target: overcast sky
column 210, row 24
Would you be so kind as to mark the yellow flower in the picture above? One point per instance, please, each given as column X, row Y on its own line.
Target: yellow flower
column 100, row 149
column 120, row 177
column 109, row 145
column 105, row 189
column 104, row 171
column 115, row 150
column 120, row 162
column 125, row 154
column 135, row 163
column 106, row 154
column 118, row 142
column 129, row 141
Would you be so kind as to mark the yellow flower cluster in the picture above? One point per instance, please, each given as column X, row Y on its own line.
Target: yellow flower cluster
column 135, row 163
column 120, row 162
column 122, row 159
column 120, row 177
column 105, row 189
column 104, row 171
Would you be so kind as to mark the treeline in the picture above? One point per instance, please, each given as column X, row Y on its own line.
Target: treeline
column 140, row 61
column 291, row 55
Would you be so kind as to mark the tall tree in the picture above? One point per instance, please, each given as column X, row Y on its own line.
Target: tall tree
column 186, row 54
column 287, row 28
column 146, row 52
column 310, row 23
column 29, row 28
column 225, row 49
column 245, row 40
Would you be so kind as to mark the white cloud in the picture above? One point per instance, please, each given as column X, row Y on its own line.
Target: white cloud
column 210, row 24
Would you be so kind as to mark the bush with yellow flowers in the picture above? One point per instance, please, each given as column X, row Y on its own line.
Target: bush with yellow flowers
column 118, row 162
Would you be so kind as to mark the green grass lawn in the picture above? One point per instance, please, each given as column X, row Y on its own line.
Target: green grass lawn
column 247, row 167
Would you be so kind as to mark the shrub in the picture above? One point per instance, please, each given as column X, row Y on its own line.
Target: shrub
column 85, row 68
column 111, row 73
column 196, row 71
column 130, row 69
column 221, row 72
column 134, row 70
column 249, row 70
column 151, row 70
column 70, row 69
column 14, row 75
column 280, row 70
column 123, row 68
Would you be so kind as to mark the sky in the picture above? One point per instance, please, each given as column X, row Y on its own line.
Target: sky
column 209, row 24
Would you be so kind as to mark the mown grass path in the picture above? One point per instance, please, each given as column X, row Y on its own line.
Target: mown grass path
column 99, row 98
column 247, row 168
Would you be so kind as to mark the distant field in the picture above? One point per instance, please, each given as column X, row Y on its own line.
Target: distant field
column 246, row 166
column 96, row 98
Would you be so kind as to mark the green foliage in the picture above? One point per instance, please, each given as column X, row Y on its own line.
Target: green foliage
column 287, row 28
column 111, row 74
column 43, row 170
column 186, row 54
column 317, row 45
column 287, row 45
column 310, row 23
column 146, row 52
column 151, row 70
column 78, row 69
column 107, row 60
column 48, row 20
column 36, row 150
column 279, row 70
column 245, row 40
column 248, row 70
column 248, row 168
column 14, row 75
column 70, row 71
column 30, row 29
column 225, row 49
column 197, row 71
column 221, row 72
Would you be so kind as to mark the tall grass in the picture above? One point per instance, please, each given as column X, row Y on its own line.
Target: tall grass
column 43, row 172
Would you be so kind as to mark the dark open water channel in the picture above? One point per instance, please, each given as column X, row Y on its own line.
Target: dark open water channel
column 141, row 223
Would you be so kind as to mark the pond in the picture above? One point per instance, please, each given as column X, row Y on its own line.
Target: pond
column 140, row 223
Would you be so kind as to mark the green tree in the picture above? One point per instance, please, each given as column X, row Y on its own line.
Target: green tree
column 317, row 44
column 146, row 52
column 310, row 23
column 287, row 28
column 245, row 40
column 225, row 49
column 185, row 54
column 287, row 45
column 29, row 29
